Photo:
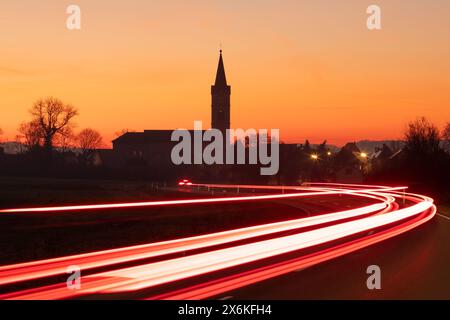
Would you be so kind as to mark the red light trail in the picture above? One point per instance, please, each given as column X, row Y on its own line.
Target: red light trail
column 386, row 218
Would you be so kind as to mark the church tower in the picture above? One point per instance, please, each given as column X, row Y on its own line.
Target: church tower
column 220, row 92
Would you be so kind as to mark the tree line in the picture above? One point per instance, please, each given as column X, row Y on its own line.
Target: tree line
column 52, row 125
column 423, row 163
column 424, row 158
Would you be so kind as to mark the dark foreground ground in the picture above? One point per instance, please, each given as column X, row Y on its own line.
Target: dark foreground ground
column 33, row 236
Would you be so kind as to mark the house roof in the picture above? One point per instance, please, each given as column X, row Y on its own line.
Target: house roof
column 382, row 153
column 396, row 154
column 148, row 136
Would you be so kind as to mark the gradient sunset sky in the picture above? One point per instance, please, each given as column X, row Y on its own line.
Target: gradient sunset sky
column 310, row 68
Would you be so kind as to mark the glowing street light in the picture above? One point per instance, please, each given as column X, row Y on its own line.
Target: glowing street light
column 314, row 157
column 329, row 153
column 363, row 155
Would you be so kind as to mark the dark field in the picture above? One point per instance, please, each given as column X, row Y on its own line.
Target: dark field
column 34, row 236
column 19, row 192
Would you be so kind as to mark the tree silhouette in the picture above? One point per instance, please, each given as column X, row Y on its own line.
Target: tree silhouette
column 422, row 137
column 30, row 134
column 65, row 139
column 53, row 118
column 446, row 136
column 446, row 133
column 88, row 140
column 422, row 164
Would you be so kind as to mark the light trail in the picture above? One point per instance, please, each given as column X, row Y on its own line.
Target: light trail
column 189, row 201
column 51, row 267
column 213, row 288
column 382, row 214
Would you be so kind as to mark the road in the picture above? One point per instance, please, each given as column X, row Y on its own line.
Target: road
column 413, row 266
column 261, row 261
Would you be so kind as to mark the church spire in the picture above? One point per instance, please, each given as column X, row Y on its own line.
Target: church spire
column 221, row 79
column 220, row 106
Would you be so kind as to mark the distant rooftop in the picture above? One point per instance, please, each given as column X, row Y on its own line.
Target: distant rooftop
column 148, row 135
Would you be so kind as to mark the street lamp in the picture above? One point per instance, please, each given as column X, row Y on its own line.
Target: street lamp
column 314, row 157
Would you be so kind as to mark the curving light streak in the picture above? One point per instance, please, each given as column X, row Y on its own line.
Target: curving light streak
column 51, row 267
column 216, row 287
column 381, row 214
column 191, row 201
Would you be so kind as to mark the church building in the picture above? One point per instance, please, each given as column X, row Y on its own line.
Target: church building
column 151, row 149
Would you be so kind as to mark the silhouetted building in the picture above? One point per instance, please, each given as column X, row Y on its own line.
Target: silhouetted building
column 220, row 92
column 349, row 164
column 151, row 150
column 382, row 153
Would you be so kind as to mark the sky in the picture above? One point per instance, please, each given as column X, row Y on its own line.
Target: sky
column 309, row 68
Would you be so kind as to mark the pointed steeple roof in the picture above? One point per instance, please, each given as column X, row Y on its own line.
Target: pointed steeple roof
column 221, row 79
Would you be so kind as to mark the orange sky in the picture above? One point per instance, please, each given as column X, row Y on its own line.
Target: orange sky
column 309, row 68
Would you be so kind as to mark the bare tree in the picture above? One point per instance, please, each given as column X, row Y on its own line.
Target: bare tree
column 446, row 137
column 30, row 134
column 65, row 139
column 446, row 132
column 88, row 140
column 422, row 137
column 53, row 118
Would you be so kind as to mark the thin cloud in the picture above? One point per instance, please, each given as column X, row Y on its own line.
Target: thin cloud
column 14, row 71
